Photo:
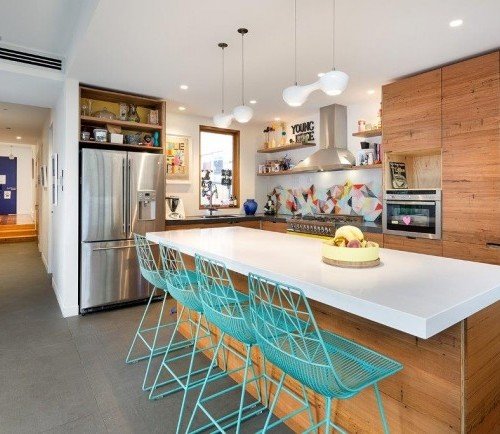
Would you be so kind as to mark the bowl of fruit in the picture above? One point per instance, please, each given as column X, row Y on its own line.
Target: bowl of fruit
column 350, row 249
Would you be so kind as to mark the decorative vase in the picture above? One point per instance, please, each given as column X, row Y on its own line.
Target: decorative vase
column 250, row 206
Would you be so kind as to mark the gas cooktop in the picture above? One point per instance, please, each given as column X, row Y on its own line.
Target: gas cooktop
column 320, row 224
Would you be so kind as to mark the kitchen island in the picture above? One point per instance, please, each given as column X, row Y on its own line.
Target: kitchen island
column 437, row 316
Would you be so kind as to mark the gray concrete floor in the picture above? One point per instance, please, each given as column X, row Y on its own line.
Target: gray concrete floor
column 62, row 375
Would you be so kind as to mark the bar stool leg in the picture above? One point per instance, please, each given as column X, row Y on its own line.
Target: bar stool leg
column 381, row 409
column 275, row 401
column 181, row 413
column 158, row 324
column 209, row 372
column 243, row 388
column 127, row 360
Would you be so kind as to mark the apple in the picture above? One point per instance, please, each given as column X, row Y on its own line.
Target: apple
column 354, row 244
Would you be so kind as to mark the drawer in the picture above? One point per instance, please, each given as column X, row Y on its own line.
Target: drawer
column 415, row 245
column 268, row 225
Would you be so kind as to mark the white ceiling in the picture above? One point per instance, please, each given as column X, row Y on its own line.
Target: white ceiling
column 24, row 121
column 152, row 47
column 46, row 26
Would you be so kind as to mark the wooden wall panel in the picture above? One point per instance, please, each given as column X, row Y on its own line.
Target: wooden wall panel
column 411, row 110
column 471, row 154
column 482, row 371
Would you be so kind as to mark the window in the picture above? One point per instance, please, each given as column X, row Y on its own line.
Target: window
column 219, row 167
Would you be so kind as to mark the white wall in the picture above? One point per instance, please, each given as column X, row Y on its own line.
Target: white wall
column 250, row 140
column 43, row 195
column 24, row 155
column 65, row 118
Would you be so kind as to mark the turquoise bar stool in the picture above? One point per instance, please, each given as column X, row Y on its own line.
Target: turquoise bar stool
column 227, row 309
column 182, row 285
column 148, row 336
column 326, row 363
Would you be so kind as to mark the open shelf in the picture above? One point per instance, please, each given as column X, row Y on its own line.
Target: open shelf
column 124, row 124
column 122, row 146
column 368, row 133
column 291, row 172
column 289, row 147
column 117, row 97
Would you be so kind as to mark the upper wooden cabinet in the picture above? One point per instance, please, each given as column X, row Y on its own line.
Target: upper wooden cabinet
column 471, row 154
column 411, row 113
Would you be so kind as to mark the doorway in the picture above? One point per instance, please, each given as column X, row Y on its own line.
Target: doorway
column 8, row 185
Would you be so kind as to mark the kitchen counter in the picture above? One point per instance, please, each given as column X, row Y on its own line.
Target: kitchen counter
column 418, row 294
column 450, row 378
column 370, row 227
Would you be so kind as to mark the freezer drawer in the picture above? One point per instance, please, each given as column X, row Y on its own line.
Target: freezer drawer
column 110, row 274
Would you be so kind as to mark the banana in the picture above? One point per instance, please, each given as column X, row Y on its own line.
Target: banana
column 349, row 233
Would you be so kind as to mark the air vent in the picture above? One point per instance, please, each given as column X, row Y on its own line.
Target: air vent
column 31, row 59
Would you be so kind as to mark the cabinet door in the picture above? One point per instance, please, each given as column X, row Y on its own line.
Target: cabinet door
column 415, row 245
column 411, row 113
column 471, row 152
column 376, row 238
column 268, row 225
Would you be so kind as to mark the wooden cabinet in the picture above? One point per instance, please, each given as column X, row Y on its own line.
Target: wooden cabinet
column 268, row 225
column 376, row 238
column 253, row 224
column 415, row 245
column 411, row 113
column 471, row 158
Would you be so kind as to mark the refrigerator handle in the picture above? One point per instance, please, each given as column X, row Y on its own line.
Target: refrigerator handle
column 129, row 201
column 124, row 199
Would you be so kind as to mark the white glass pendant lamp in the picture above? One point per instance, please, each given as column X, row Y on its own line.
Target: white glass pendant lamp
column 221, row 119
column 243, row 113
column 332, row 83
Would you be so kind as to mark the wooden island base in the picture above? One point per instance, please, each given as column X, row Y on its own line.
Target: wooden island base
column 449, row 383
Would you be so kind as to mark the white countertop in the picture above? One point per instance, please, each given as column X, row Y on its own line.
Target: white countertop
column 418, row 294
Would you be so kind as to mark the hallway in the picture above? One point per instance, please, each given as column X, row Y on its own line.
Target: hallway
column 66, row 375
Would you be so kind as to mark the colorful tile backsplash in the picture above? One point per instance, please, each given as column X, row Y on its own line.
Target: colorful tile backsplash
column 349, row 198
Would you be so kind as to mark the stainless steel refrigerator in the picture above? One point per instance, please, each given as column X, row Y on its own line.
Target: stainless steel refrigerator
column 122, row 193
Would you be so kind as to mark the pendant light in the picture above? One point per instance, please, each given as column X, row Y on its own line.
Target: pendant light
column 296, row 95
column 11, row 155
column 334, row 82
column 222, row 120
column 242, row 113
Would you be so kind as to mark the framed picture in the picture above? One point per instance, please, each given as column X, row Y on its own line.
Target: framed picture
column 177, row 151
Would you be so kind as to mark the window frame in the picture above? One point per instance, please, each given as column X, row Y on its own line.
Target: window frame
column 236, row 163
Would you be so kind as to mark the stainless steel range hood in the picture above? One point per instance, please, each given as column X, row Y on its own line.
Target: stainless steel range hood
column 333, row 154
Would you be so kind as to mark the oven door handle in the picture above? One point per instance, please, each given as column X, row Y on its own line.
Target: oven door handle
column 406, row 202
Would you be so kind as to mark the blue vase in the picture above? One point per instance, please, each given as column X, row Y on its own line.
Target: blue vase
column 250, row 206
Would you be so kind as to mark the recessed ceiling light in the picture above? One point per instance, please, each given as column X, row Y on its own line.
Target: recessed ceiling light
column 456, row 23
column 277, row 119
column 321, row 74
column 18, row 137
column 370, row 91
column 182, row 108
column 253, row 101
column 184, row 86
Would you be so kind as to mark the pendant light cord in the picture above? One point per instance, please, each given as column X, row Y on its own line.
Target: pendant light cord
column 295, row 39
column 333, row 35
column 242, row 70
column 222, row 80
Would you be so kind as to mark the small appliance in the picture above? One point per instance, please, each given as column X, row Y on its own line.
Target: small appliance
column 175, row 208
column 413, row 213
